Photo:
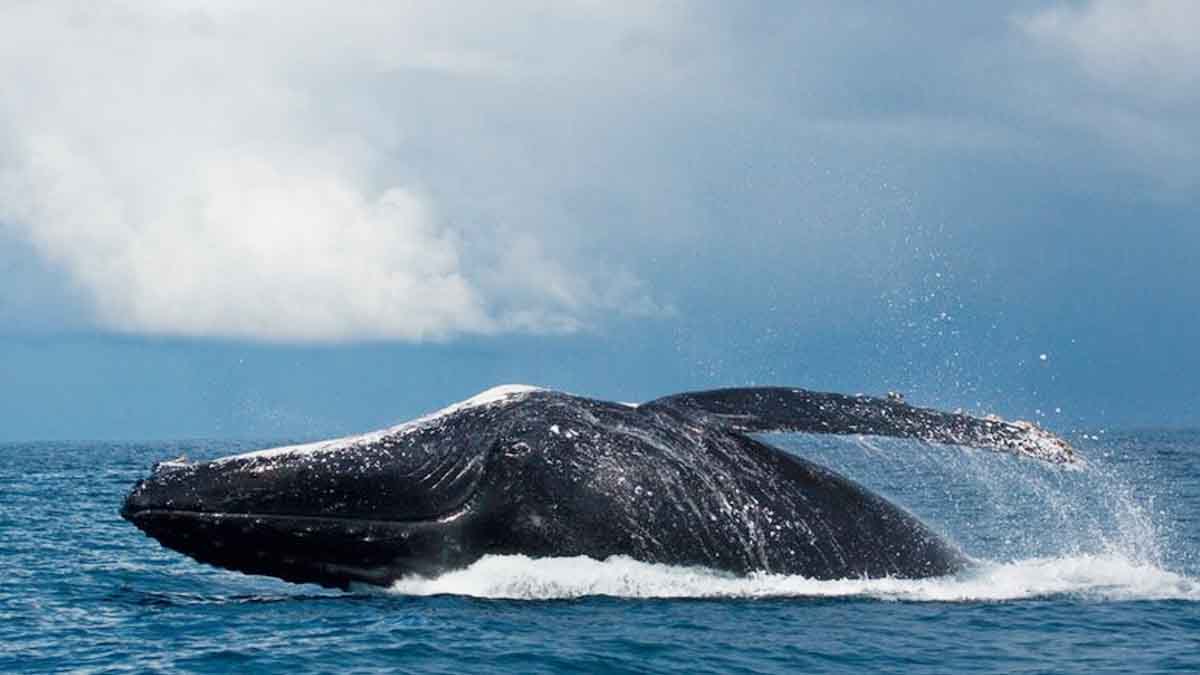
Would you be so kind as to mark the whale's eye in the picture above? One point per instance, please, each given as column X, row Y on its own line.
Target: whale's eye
column 518, row 449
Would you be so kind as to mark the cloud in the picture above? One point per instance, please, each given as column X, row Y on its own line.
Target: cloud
column 1131, row 79
column 297, row 171
column 1149, row 47
column 207, row 170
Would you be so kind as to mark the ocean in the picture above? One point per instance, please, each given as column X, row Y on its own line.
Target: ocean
column 1093, row 570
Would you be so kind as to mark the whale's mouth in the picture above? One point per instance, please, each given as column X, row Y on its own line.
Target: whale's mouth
column 309, row 522
column 305, row 522
column 332, row 551
column 137, row 515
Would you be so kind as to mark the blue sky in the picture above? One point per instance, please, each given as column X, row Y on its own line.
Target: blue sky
column 294, row 219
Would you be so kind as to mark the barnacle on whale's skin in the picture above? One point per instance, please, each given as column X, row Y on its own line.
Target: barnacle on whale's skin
column 535, row 472
column 1044, row 445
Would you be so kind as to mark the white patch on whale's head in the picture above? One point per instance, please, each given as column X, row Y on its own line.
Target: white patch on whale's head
column 494, row 396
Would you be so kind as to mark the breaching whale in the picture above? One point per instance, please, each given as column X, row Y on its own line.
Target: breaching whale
column 522, row 470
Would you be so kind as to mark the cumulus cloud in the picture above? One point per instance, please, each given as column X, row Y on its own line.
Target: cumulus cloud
column 305, row 171
column 200, row 168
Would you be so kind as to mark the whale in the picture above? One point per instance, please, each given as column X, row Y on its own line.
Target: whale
column 686, row 479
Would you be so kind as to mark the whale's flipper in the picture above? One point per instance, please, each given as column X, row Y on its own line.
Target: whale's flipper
column 764, row 409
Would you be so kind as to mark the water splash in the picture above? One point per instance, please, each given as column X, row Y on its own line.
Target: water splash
column 1092, row 577
column 1001, row 508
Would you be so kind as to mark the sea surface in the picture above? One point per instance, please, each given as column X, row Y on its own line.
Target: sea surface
column 1087, row 571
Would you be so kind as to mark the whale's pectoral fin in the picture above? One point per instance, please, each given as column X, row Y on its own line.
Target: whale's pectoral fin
column 764, row 409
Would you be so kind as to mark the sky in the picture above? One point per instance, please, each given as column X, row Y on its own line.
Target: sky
column 296, row 219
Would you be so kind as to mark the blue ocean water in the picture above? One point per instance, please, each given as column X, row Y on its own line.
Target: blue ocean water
column 1078, row 571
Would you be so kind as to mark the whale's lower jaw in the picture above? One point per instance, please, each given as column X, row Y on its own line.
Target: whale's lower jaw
column 331, row 552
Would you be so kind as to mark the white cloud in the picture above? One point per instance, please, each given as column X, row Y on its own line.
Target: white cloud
column 302, row 171
column 1148, row 46
column 203, row 169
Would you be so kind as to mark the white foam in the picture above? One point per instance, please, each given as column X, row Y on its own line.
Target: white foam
column 491, row 396
column 1096, row 577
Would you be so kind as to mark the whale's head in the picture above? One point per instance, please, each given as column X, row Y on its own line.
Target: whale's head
column 361, row 509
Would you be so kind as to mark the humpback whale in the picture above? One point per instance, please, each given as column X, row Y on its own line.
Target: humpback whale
column 521, row 470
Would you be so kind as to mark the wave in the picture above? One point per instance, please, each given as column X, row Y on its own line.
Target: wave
column 1107, row 577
